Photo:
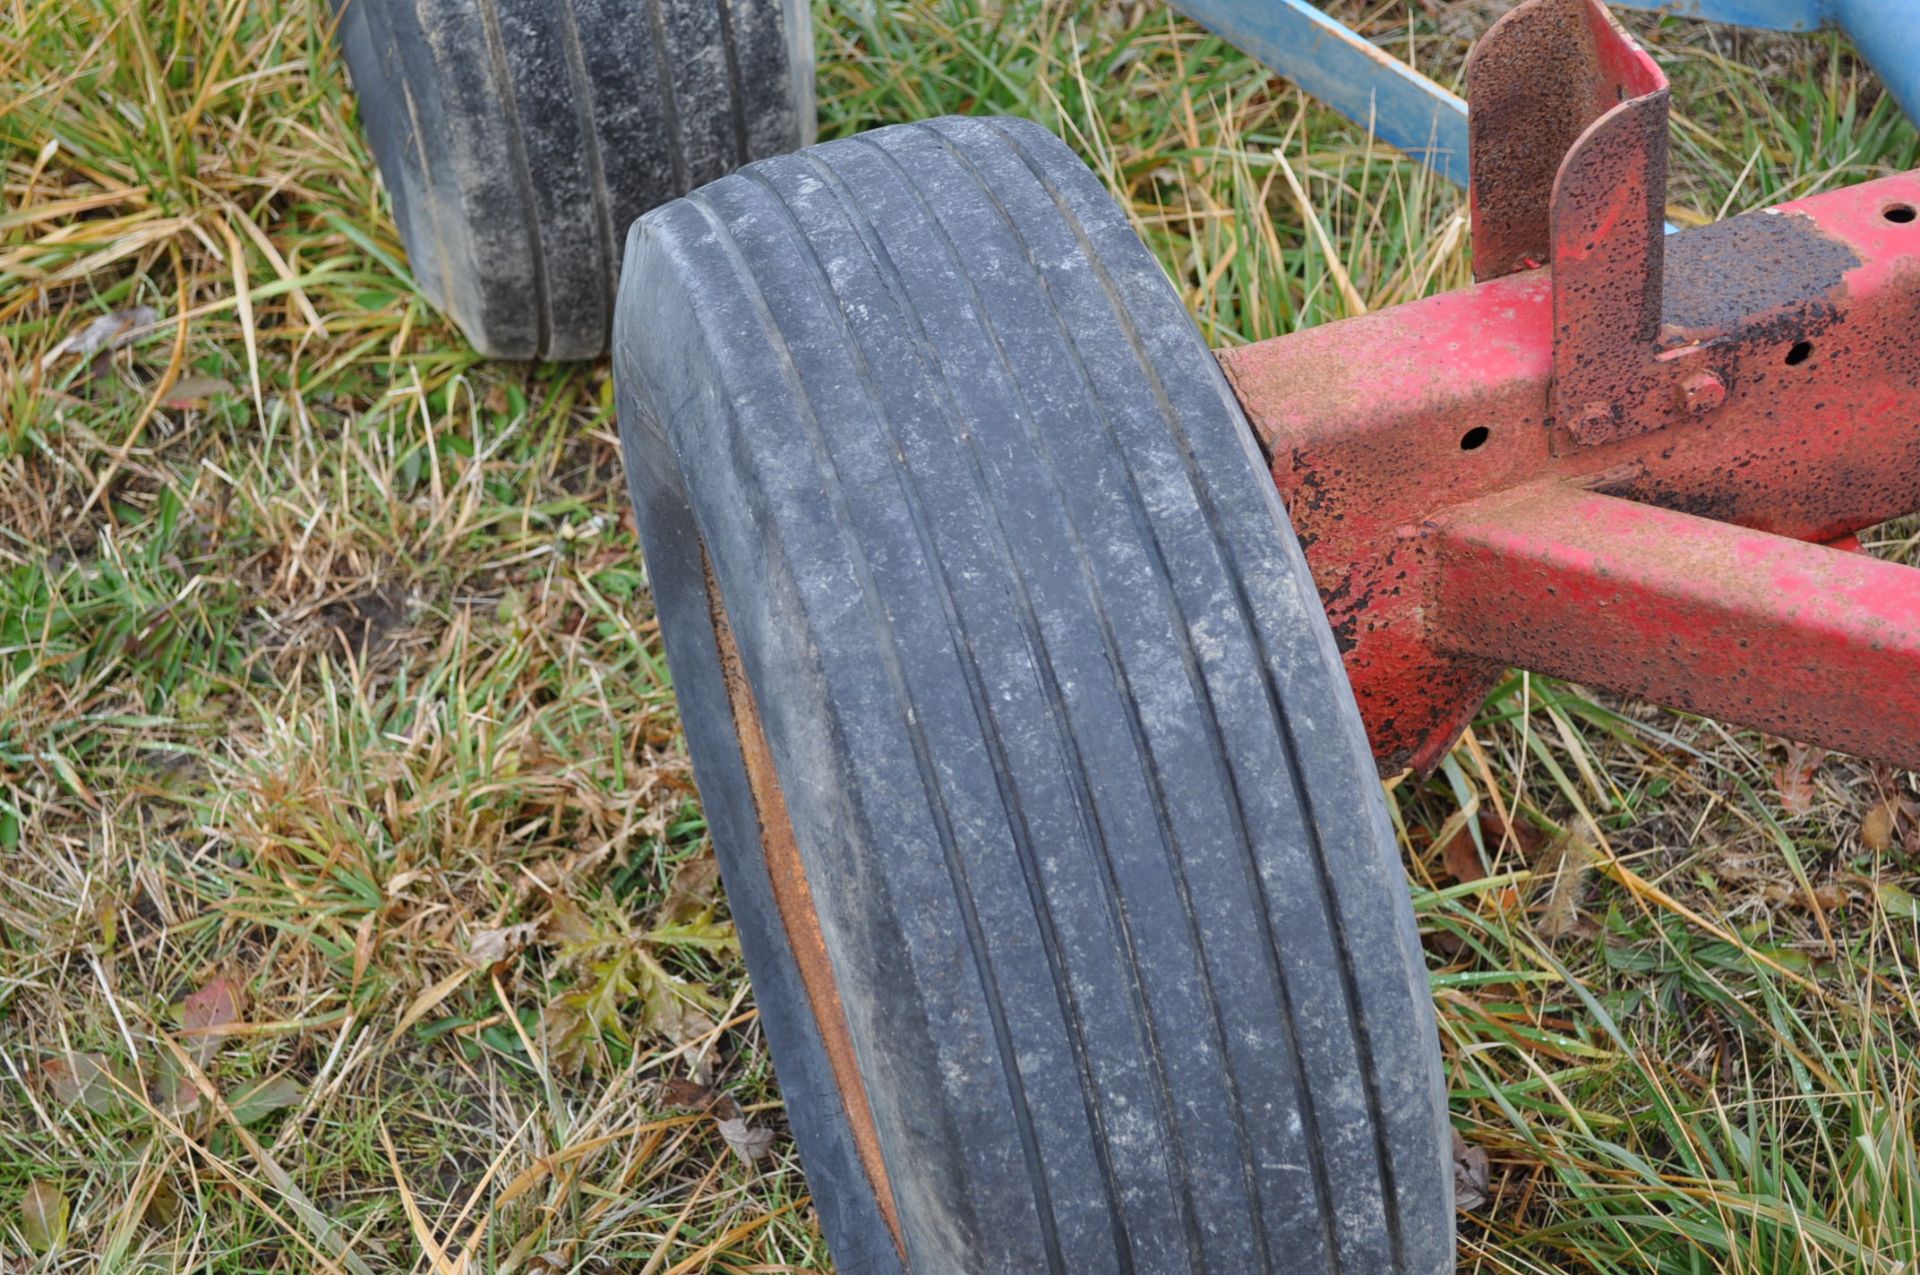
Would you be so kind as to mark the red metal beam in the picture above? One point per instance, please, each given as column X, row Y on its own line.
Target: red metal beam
column 1756, row 629
column 1463, row 471
column 1375, row 426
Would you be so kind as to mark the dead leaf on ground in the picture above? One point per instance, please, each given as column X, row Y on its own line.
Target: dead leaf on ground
column 670, row 1007
column 196, row 391
column 43, row 1217
column 80, row 1080
column 1472, row 1175
column 569, row 927
column 206, row 1015
column 107, row 332
column 693, row 892
column 1788, row 893
column 680, row 1094
column 490, row 947
column 749, row 1141
column 1878, row 829
column 1794, row 776
column 1462, row 857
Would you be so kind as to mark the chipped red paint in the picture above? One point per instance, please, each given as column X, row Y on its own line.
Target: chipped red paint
column 1377, row 426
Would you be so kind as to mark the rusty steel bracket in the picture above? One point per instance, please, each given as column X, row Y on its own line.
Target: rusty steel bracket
column 1569, row 137
column 1744, row 395
column 1564, row 104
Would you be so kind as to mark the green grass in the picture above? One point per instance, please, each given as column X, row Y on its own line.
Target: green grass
column 309, row 687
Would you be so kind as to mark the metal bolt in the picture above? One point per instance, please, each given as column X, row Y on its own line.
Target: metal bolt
column 1702, row 392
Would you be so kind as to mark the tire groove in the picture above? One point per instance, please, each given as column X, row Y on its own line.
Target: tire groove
column 1148, row 1030
column 581, row 94
column 891, row 660
column 1197, row 680
column 736, row 92
column 1170, row 840
column 1056, row 714
column 669, row 103
column 1296, row 772
column 523, row 171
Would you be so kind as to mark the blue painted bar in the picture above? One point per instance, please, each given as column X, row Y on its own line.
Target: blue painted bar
column 1364, row 83
column 1887, row 34
column 1762, row 15
column 1352, row 75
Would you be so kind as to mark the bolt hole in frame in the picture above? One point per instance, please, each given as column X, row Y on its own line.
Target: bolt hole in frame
column 1651, row 501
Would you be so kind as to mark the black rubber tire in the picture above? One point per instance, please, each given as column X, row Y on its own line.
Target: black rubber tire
column 520, row 138
column 1099, row 856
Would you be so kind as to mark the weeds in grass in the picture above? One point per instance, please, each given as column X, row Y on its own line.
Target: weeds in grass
column 328, row 681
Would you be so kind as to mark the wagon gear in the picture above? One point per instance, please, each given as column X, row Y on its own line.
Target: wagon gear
column 1032, row 729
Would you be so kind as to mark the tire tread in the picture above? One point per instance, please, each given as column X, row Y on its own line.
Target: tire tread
column 520, row 139
column 1165, row 943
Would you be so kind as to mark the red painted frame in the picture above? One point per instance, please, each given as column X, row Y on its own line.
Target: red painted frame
column 1622, row 467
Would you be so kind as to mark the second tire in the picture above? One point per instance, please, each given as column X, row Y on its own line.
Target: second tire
column 518, row 139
